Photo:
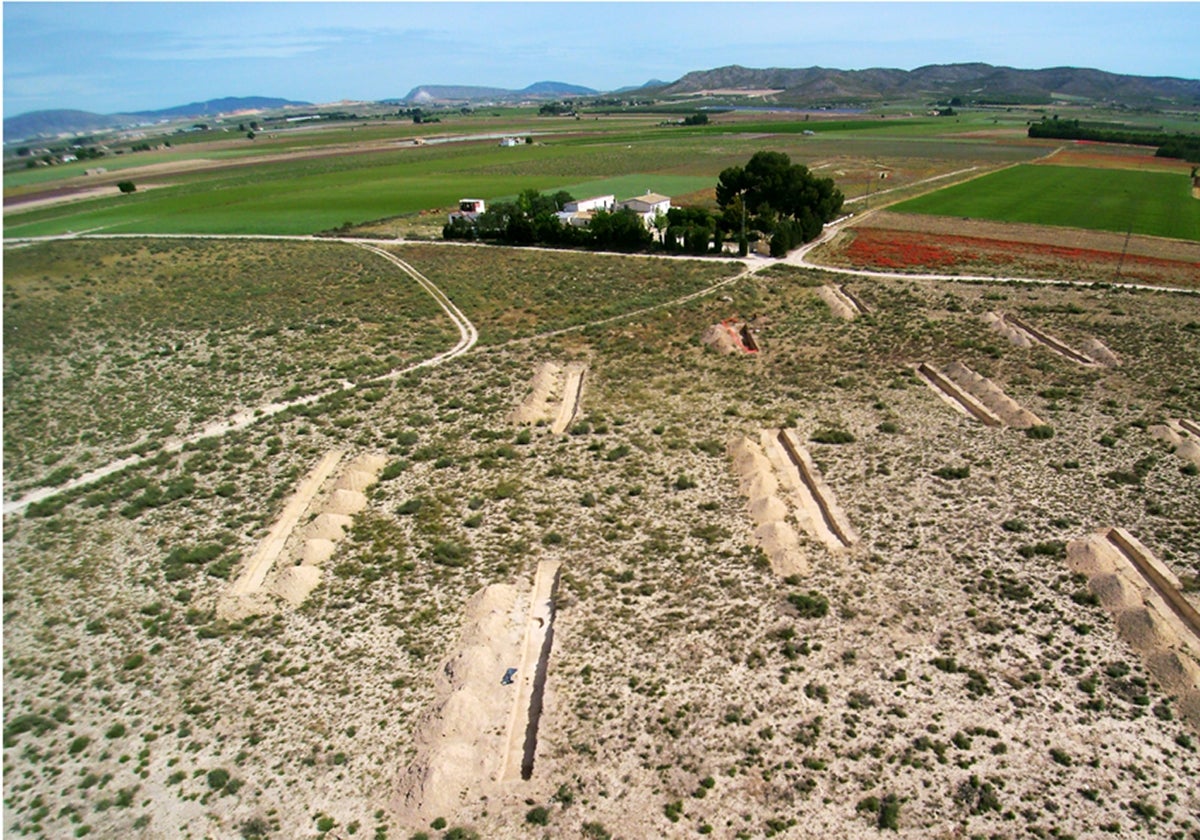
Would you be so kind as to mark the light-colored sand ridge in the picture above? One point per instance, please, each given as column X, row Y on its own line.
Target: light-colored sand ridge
column 959, row 399
column 1148, row 609
column 774, row 535
column 841, row 303
column 1024, row 334
column 572, row 397
column 461, row 739
column 1183, row 435
column 260, row 563
column 978, row 396
column 288, row 562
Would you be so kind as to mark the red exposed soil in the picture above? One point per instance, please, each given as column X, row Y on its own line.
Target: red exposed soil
column 887, row 248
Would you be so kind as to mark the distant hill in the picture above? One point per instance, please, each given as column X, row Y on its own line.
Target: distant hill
column 52, row 123
column 653, row 83
column 36, row 124
column 471, row 93
column 970, row 82
column 225, row 105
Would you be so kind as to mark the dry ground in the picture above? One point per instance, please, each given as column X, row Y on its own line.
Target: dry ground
column 958, row 681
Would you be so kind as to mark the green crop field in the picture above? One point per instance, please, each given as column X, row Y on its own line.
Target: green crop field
column 1151, row 203
column 370, row 171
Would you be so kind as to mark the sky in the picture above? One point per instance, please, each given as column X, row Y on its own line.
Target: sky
column 134, row 56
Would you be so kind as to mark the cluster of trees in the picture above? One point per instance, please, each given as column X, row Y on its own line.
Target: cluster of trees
column 771, row 196
column 557, row 109
column 698, row 118
column 531, row 220
column 1183, row 146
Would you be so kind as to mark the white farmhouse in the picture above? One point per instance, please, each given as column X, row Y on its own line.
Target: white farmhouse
column 648, row 206
column 579, row 213
column 469, row 209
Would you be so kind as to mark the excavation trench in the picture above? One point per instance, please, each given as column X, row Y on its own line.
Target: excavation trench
column 1049, row 341
column 529, row 703
column 841, row 303
column 1159, row 577
column 568, row 410
column 831, row 514
column 979, row 396
column 957, row 396
column 1148, row 609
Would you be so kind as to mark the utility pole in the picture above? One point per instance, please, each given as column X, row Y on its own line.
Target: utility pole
column 1125, row 247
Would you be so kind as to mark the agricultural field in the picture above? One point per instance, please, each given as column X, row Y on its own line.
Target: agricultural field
column 945, row 673
column 1119, row 200
column 321, row 185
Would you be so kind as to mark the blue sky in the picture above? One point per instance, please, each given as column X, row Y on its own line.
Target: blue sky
column 111, row 57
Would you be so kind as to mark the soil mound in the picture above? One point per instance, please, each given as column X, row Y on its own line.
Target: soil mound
column 545, row 388
column 347, row 502
column 1147, row 608
column 1096, row 350
column 1016, row 336
column 987, row 392
column 1176, row 434
column 720, row 339
column 295, row 583
column 840, row 305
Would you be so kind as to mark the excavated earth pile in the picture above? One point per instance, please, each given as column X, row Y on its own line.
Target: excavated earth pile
column 781, row 482
column 1148, row 609
column 1023, row 334
column 841, row 302
column 554, row 397
column 1183, row 436
column 977, row 396
column 479, row 739
column 730, row 336
column 287, row 564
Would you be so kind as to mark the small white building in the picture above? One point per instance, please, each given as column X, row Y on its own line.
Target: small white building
column 510, row 141
column 648, row 206
column 579, row 213
column 469, row 209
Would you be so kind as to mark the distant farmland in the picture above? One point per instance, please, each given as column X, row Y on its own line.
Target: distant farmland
column 1150, row 203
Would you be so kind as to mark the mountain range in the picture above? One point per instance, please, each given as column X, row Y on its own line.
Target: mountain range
column 469, row 93
column 971, row 82
column 54, row 122
column 975, row 82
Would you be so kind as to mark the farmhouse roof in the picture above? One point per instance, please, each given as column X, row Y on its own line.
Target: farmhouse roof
column 649, row 199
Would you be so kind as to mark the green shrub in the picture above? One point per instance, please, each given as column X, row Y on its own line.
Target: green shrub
column 1040, row 432
column 952, row 473
column 218, row 778
column 835, row 436
column 537, row 816
column 809, row 605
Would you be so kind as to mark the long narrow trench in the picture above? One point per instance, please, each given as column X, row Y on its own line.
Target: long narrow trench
column 572, row 396
column 969, row 404
column 1146, row 566
column 1049, row 341
column 529, row 702
column 807, row 471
